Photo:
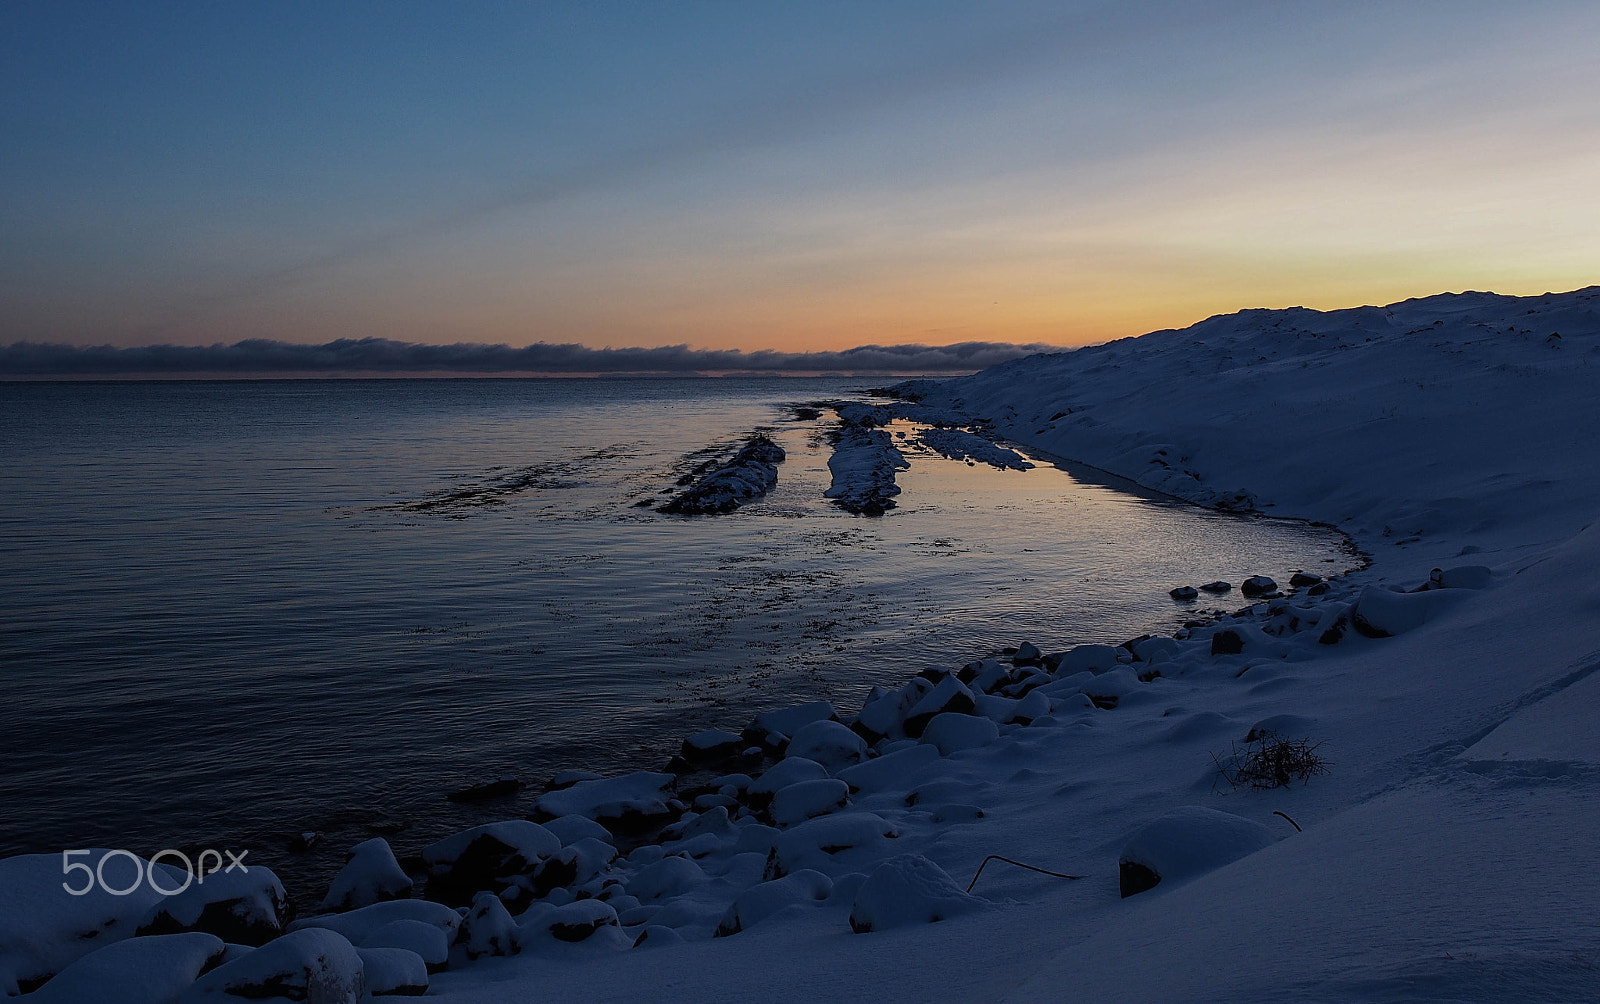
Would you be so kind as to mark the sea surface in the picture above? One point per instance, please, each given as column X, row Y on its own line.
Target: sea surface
column 234, row 611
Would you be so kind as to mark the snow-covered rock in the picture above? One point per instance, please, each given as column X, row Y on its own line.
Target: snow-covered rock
column 958, row 445
column 428, row 942
column 571, row 829
column 44, row 928
column 711, row 744
column 788, row 721
column 1185, row 843
column 372, row 875
column 890, row 770
column 813, row 843
column 393, row 972
column 863, row 464
column 149, row 970
column 578, row 921
column 789, row 770
column 487, row 928
column 306, row 965
column 628, row 802
column 802, row 800
column 908, row 889
column 358, row 926
column 828, row 743
column 244, row 905
column 485, row 857
column 952, row 733
column 948, row 696
column 749, row 474
column 667, row 877
column 1382, row 613
column 1089, row 659
column 761, row 901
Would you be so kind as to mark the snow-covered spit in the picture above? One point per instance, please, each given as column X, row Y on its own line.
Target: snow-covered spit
column 1450, row 688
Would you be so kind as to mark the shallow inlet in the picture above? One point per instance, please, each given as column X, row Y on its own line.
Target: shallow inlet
column 239, row 611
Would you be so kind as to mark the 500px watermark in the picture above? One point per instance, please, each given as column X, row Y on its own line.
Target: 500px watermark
column 195, row 871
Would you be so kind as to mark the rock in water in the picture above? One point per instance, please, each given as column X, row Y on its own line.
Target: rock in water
column 1258, row 585
column 751, row 473
column 908, row 889
column 1184, row 593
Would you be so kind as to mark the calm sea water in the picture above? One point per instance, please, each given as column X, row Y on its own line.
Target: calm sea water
column 235, row 611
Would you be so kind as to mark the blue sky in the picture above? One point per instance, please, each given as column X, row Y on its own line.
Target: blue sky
column 788, row 176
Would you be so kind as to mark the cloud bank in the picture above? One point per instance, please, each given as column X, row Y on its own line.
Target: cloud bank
column 262, row 357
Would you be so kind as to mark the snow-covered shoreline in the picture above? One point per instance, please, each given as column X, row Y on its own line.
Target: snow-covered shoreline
column 1438, row 854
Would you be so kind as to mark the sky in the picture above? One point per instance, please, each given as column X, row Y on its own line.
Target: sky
column 798, row 177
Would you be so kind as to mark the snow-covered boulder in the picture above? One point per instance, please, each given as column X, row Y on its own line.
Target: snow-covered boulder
column 1027, row 654
column 359, row 926
column 802, row 800
column 243, row 905
column 1185, row 843
column 829, row 744
column 948, row 696
column 44, row 928
column 430, row 942
column 909, row 889
column 789, row 770
column 571, row 829
column 761, row 901
column 812, row 844
column 952, row 733
column 667, row 877
column 1154, row 650
column 1380, row 612
column 621, row 804
column 1089, row 659
column 578, row 921
column 788, row 721
column 393, row 972
column 885, row 715
column 487, row 928
column 372, row 875
column 984, row 676
column 486, row 857
column 152, row 970
column 890, row 770
column 306, row 965
column 711, row 744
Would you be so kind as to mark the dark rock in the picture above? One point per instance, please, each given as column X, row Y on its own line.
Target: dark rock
column 1184, row 593
column 1229, row 642
column 1258, row 585
column 712, row 744
column 1300, row 579
column 1217, row 587
column 1136, row 878
column 1027, row 654
column 1318, row 589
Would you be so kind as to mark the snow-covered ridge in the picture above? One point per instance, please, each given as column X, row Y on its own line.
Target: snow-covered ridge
column 971, row 447
column 864, row 462
column 749, row 474
column 1442, row 414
